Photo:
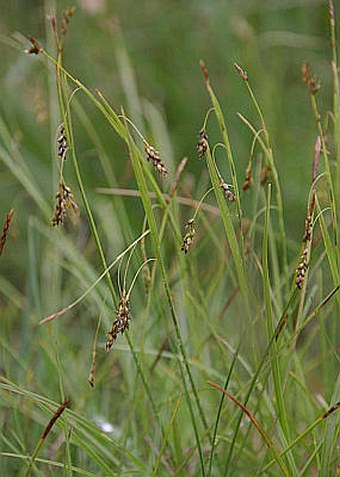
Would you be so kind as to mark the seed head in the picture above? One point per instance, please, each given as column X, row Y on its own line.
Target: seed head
column 227, row 192
column 312, row 83
column 248, row 181
column 265, row 173
column 202, row 144
column 241, row 72
column 302, row 269
column 65, row 200
column 189, row 236
column 121, row 323
column 62, row 143
column 153, row 155
column 5, row 230
column 35, row 48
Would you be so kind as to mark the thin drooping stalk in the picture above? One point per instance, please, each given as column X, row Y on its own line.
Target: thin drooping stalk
column 66, row 115
column 327, row 168
column 265, row 436
column 234, row 243
column 183, row 361
column 271, row 162
column 223, row 128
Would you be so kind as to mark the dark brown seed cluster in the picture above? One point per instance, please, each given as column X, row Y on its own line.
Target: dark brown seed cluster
column 67, row 14
column 62, row 143
column 35, row 48
column 189, row 237
column 227, row 192
column 121, row 323
column 153, row 155
column 265, row 173
column 241, row 72
column 308, row 228
column 302, row 269
column 65, row 200
column 202, row 144
column 5, row 230
column 248, row 181
column 312, row 83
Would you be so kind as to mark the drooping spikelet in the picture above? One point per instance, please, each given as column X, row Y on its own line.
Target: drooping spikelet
column 227, row 192
column 313, row 84
column 202, row 144
column 248, row 181
column 189, row 236
column 264, row 177
column 121, row 323
column 153, row 155
column 65, row 200
column 302, row 269
column 62, row 143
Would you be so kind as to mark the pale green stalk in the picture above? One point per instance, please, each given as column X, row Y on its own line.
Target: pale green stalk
column 278, row 387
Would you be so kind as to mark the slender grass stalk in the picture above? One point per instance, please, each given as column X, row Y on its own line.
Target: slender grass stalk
column 156, row 467
column 183, row 362
column 235, row 247
column 219, row 410
column 47, row 430
column 66, row 114
column 252, row 385
column 271, row 332
column 301, row 436
column 268, row 441
column 331, row 433
column 223, row 128
column 327, row 168
column 271, row 162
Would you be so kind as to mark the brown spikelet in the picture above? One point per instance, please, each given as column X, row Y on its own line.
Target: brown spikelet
column 312, row 83
column 92, row 373
column 264, row 177
column 55, row 417
column 189, row 236
column 35, row 48
column 204, row 71
column 65, row 200
column 331, row 21
column 302, row 267
column 67, row 14
column 241, row 72
column 248, row 181
column 5, row 230
column 331, row 410
column 53, row 21
column 202, row 144
column 153, row 155
column 227, row 192
column 62, row 143
column 122, row 321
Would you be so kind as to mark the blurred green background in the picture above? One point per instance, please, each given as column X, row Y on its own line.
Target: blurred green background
column 155, row 46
